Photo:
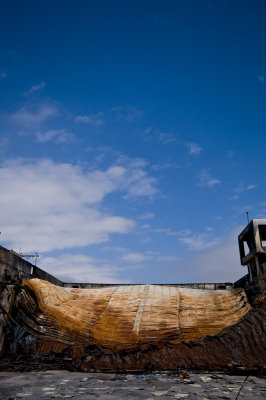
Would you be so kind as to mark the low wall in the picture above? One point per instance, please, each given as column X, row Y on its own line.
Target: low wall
column 207, row 286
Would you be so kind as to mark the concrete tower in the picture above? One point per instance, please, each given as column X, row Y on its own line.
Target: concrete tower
column 252, row 247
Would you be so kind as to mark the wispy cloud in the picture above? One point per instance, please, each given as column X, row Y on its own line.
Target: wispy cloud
column 241, row 187
column 35, row 88
column 135, row 258
column 206, row 180
column 216, row 263
column 170, row 232
column 194, row 148
column 261, row 78
column 57, row 135
column 199, row 241
column 250, row 187
column 3, row 143
column 126, row 113
column 3, row 75
column 166, row 138
column 147, row 216
column 151, row 134
column 116, row 249
column 81, row 268
column 95, row 120
column 111, row 115
column 234, row 197
column 162, row 166
column 148, row 134
column 29, row 116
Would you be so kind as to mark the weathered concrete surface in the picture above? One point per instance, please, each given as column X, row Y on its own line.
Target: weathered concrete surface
column 48, row 385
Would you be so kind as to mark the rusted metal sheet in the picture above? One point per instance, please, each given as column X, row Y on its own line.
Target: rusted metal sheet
column 125, row 317
column 136, row 328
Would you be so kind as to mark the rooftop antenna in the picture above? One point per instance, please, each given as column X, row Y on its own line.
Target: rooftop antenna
column 33, row 255
column 247, row 216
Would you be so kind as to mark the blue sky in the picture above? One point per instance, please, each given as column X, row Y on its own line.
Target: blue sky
column 132, row 136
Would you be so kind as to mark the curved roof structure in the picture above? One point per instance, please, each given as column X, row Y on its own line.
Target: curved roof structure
column 123, row 317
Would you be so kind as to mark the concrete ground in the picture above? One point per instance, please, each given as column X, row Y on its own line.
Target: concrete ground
column 74, row 385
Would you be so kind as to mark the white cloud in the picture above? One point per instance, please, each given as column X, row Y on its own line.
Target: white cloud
column 124, row 113
column 136, row 183
column 3, row 144
column 80, row 268
column 3, row 75
column 166, row 138
column 155, row 256
column 147, row 216
column 170, row 232
column 48, row 206
column 32, row 116
column 115, row 249
column 235, row 197
column 58, row 135
column 261, row 78
column 199, row 241
column 194, row 148
column 167, row 258
column 95, row 120
column 241, row 188
column 114, row 114
column 145, row 226
column 146, row 240
column 148, row 134
column 132, row 162
column 249, row 187
column 135, row 257
column 219, row 263
column 164, row 166
column 139, row 183
column 205, row 180
column 35, row 88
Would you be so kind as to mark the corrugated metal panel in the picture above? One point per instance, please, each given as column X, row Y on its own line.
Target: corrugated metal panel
column 122, row 317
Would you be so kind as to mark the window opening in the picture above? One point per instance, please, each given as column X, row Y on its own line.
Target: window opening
column 262, row 231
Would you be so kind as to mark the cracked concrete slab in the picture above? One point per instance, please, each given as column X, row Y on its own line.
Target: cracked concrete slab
column 46, row 385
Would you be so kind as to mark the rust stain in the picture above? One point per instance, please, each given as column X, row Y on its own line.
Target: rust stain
column 125, row 317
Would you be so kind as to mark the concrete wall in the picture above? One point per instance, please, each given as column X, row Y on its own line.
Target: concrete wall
column 209, row 286
column 13, row 269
